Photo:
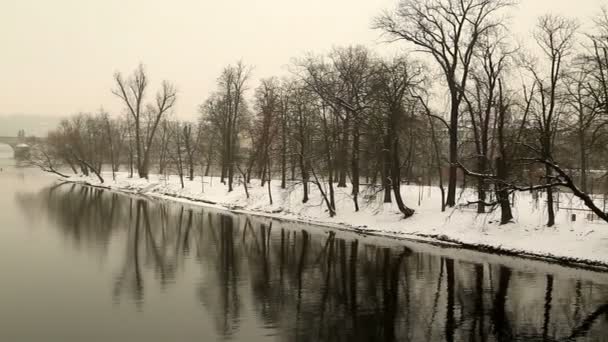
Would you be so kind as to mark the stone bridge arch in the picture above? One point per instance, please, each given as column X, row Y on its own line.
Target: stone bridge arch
column 10, row 141
column 20, row 149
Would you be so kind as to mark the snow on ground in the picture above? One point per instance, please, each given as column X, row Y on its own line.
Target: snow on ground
column 583, row 241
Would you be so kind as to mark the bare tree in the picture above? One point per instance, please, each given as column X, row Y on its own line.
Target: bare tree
column 232, row 83
column 46, row 158
column 483, row 105
column 396, row 81
column 177, row 148
column 345, row 83
column 146, row 117
column 302, row 124
column 266, row 126
column 555, row 37
column 110, row 133
column 191, row 146
column 284, row 94
column 162, row 144
column 448, row 30
column 585, row 122
column 85, row 141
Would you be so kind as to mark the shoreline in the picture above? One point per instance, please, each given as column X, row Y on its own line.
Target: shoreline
column 438, row 240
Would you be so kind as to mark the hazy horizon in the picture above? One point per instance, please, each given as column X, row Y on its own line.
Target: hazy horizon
column 59, row 57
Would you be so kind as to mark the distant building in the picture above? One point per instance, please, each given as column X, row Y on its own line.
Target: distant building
column 22, row 151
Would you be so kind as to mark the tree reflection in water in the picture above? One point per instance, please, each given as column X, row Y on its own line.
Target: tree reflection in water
column 303, row 285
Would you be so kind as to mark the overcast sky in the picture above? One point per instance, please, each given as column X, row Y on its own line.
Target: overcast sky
column 57, row 57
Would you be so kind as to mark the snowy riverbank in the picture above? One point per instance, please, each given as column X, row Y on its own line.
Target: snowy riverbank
column 583, row 241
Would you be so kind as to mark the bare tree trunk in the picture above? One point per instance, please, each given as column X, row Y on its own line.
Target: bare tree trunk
column 502, row 168
column 330, row 165
column 342, row 155
column 191, row 166
column 207, row 169
column 502, row 194
column 583, row 152
column 396, row 182
column 550, row 205
column 386, row 167
column 110, row 141
column 303, row 158
column 293, row 167
column 269, row 188
column 355, row 166
column 283, row 164
column 304, row 171
column 73, row 167
column 330, row 207
column 178, row 152
column 437, row 149
column 481, row 186
column 453, row 155
column 244, row 182
column 230, row 164
column 87, row 166
column 188, row 143
column 263, row 172
column 138, row 148
column 223, row 167
column 283, row 146
column 130, row 162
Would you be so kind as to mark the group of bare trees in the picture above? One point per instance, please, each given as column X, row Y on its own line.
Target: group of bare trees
column 517, row 118
column 514, row 112
column 343, row 117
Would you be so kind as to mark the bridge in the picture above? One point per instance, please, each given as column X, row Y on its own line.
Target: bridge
column 20, row 148
column 11, row 141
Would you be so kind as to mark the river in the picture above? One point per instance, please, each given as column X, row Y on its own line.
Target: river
column 84, row 264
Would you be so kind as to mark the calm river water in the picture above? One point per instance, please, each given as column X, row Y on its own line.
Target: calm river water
column 81, row 264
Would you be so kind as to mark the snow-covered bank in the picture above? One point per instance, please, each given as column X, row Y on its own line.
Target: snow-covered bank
column 583, row 241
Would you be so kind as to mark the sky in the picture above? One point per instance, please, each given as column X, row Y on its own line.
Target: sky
column 58, row 57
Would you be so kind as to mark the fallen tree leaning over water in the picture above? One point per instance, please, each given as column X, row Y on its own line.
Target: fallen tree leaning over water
column 562, row 179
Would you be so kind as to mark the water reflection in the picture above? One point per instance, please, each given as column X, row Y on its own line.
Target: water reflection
column 306, row 285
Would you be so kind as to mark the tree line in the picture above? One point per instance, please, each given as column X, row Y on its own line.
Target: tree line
column 468, row 106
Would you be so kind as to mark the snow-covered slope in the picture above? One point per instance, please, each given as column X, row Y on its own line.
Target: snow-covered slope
column 583, row 241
